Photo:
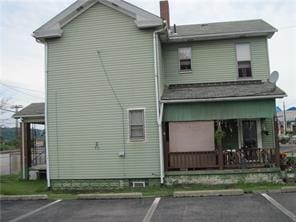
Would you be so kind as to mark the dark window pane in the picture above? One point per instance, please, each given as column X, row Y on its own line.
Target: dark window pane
column 185, row 64
column 244, row 69
column 249, row 133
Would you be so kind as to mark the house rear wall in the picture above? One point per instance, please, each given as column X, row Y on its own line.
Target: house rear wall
column 215, row 61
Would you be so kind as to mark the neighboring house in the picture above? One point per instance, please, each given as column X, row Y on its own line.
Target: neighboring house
column 287, row 121
column 130, row 100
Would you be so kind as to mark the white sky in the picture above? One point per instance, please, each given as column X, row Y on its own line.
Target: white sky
column 22, row 59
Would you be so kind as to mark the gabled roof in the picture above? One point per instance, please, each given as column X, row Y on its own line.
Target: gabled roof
column 221, row 30
column 54, row 27
column 32, row 110
column 219, row 91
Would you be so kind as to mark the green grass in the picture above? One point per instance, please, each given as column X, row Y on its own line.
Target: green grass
column 12, row 185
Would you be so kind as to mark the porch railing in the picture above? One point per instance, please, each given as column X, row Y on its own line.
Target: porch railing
column 232, row 159
column 192, row 160
column 249, row 158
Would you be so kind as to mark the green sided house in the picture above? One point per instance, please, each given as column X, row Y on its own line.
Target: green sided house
column 132, row 100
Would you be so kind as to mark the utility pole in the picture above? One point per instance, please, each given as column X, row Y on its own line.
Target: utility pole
column 285, row 121
column 16, row 107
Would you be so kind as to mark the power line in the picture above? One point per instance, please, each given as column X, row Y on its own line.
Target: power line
column 18, row 87
column 7, row 110
column 22, row 92
column 16, row 107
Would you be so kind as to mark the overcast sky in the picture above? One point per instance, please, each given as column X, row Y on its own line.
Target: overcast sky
column 22, row 58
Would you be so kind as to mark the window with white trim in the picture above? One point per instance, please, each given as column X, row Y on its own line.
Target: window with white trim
column 136, row 124
column 243, row 57
column 184, row 59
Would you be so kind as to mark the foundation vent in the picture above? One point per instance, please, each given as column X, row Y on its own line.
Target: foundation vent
column 138, row 184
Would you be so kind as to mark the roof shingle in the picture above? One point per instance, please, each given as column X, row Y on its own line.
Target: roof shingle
column 34, row 109
column 222, row 90
column 222, row 29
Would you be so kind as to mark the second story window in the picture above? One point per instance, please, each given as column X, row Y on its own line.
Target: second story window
column 136, row 125
column 243, row 56
column 184, row 59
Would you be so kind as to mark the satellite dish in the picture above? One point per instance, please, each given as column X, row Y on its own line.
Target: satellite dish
column 274, row 76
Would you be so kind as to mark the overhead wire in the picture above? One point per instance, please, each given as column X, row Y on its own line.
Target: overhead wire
column 21, row 91
column 22, row 88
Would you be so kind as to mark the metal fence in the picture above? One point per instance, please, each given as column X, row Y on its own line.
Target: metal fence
column 10, row 162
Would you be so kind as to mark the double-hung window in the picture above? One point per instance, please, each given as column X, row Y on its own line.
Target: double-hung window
column 243, row 57
column 136, row 125
column 184, row 59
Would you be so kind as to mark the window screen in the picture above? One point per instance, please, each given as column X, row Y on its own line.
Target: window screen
column 185, row 59
column 136, row 124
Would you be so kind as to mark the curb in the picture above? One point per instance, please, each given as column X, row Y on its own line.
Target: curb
column 288, row 189
column 23, row 197
column 208, row 193
column 267, row 191
column 110, row 196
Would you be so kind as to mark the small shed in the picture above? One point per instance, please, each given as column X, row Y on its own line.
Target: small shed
column 31, row 114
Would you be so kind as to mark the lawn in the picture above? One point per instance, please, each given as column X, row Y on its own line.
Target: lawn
column 12, row 185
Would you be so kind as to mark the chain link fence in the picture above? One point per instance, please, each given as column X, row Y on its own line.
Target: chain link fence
column 10, row 162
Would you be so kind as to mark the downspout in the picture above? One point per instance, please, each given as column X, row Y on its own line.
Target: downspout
column 158, row 111
column 46, row 119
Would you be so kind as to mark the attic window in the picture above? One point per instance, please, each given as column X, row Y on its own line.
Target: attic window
column 243, row 57
column 184, row 59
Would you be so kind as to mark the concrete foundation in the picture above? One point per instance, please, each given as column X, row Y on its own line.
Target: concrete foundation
column 214, row 177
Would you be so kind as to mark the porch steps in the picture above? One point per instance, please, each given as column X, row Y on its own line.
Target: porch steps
column 208, row 193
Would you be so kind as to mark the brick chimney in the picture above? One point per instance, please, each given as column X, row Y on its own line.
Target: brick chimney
column 165, row 11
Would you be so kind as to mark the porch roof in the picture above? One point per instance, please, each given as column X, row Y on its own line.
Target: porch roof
column 31, row 113
column 235, row 90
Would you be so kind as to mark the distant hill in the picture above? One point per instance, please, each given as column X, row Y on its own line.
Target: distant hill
column 8, row 134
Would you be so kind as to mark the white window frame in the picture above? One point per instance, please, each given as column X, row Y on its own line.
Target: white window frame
column 129, row 128
column 179, row 60
column 237, row 61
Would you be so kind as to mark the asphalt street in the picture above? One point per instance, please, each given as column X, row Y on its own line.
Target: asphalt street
column 249, row 207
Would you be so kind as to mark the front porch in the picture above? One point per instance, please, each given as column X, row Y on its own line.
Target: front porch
column 222, row 125
column 192, row 145
column 33, row 152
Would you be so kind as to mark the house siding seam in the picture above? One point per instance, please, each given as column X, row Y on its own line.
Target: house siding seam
column 82, row 111
column 214, row 61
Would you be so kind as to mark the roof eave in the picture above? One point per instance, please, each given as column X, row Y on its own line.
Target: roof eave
column 173, row 39
column 222, row 99
column 54, row 27
column 147, row 24
column 54, row 33
column 15, row 116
